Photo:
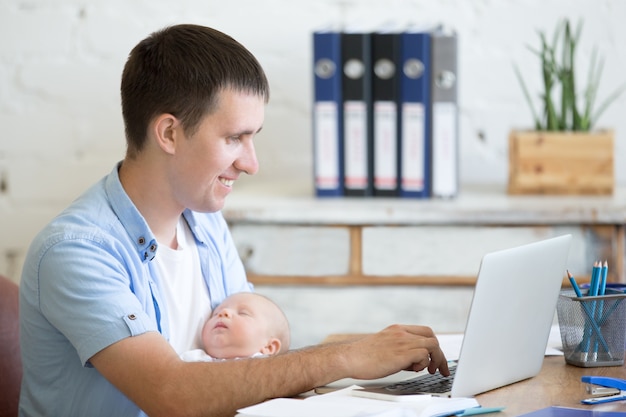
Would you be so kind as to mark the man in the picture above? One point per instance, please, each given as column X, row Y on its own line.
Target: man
column 120, row 283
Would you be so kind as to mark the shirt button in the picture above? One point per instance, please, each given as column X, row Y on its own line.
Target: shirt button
column 132, row 316
column 142, row 240
column 152, row 248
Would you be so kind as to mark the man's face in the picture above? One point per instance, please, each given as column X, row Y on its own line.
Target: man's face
column 207, row 163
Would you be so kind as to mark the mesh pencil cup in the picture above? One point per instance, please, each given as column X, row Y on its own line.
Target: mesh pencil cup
column 593, row 329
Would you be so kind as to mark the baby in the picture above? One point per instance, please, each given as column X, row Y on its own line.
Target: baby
column 243, row 325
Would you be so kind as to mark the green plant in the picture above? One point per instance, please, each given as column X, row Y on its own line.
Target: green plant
column 560, row 77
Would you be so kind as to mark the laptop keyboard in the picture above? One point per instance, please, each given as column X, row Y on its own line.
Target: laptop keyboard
column 428, row 383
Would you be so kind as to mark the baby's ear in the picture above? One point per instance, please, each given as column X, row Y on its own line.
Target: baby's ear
column 272, row 347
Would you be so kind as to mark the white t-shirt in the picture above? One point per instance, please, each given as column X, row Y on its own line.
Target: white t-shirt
column 199, row 355
column 185, row 291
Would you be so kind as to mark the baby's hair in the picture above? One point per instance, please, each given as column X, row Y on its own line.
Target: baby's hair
column 281, row 325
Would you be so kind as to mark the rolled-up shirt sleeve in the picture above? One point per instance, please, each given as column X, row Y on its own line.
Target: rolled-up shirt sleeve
column 89, row 295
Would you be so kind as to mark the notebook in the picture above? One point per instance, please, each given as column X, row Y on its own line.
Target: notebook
column 509, row 321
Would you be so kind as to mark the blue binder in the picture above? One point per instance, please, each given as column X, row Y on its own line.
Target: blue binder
column 327, row 114
column 415, row 113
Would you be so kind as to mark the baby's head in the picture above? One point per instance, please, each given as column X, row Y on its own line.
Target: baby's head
column 245, row 324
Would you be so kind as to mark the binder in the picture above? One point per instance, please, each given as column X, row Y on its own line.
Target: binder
column 357, row 113
column 445, row 182
column 385, row 98
column 415, row 113
column 327, row 114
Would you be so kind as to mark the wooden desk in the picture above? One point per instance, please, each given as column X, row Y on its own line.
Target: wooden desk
column 556, row 384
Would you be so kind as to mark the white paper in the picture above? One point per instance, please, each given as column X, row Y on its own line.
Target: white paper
column 555, row 346
column 450, row 344
column 342, row 403
column 391, row 379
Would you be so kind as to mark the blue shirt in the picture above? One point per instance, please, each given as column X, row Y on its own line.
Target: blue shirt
column 88, row 282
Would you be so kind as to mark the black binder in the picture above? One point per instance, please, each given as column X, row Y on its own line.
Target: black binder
column 385, row 99
column 357, row 113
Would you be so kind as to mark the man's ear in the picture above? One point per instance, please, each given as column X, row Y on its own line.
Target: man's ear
column 167, row 129
column 272, row 347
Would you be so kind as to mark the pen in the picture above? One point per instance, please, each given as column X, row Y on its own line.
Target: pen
column 594, row 285
column 605, row 315
column 572, row 281
column 603, row 275
column 595, row 279
column 479, row 410
column 595, row 328
column 595, row 290
column 607, row 399
column 601, row 291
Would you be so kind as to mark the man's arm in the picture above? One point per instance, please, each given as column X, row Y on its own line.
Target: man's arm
column 147, row 370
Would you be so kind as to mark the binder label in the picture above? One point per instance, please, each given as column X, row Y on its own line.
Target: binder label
column 355, row 145
column 385, row 143
column 444, row 149
column 413, row 144
column 326, row 154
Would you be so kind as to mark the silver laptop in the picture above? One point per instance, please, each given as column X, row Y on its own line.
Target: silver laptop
column 509, row 321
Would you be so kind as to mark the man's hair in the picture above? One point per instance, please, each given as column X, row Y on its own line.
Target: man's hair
column 181, row 70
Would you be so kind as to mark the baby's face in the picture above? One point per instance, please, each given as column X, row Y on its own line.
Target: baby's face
column 239, row 327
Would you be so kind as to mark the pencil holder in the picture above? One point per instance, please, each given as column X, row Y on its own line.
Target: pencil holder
column 593, row 329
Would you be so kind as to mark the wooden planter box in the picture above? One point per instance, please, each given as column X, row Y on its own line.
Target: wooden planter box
column 561, row 162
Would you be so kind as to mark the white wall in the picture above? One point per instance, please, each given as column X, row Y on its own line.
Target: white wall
column 61, row 60
column 315, row 312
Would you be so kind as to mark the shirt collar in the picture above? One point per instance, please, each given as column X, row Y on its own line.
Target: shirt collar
column 131, row 219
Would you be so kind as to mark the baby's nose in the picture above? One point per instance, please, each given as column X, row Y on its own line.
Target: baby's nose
column 224, row 313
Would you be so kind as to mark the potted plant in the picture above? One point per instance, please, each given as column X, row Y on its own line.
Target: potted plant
column 564, row 153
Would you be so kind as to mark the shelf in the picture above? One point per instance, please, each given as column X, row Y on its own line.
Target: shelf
column 287, row 236
column 474, row 205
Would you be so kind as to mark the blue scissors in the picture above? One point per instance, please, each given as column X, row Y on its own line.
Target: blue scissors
column 606, row 388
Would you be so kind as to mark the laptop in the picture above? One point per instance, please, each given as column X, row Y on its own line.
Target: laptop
column 509, row 321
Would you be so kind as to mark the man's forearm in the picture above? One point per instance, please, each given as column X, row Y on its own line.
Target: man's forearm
column 236, row 384
column 148, row 371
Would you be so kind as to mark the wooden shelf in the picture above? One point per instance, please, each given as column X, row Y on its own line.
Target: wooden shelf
column 297, row 239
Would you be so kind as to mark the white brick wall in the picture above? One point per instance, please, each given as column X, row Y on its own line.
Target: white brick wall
column 61, row 60
column 60, row 67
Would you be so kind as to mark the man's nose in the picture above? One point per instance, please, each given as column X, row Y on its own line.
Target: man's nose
column 247, row 161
